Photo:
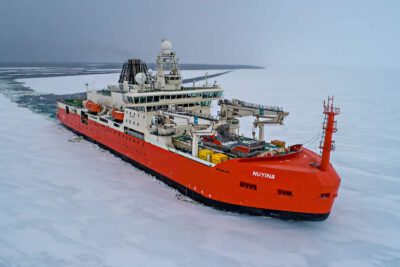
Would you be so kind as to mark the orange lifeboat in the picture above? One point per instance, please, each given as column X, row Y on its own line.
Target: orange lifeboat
column 93, row 107
column 117, row 115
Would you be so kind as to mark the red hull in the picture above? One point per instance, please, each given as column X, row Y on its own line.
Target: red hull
column 288, row 188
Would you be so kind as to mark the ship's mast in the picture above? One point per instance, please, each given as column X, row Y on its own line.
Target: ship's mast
column 167, row 61
column 329, row 127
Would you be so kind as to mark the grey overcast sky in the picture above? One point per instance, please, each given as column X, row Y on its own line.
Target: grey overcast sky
column 349, row 33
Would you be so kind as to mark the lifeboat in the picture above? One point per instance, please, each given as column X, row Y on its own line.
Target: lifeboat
column 93, row 107
column 117, row 115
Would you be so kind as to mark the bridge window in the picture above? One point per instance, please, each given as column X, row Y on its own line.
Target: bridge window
column 205, row 103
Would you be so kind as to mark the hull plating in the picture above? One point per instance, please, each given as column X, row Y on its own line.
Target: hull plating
column 288, row 189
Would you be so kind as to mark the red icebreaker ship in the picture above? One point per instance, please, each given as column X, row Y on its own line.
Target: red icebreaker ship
column 159, row 125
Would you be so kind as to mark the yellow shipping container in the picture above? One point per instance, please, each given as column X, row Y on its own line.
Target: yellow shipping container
column 218, row 158
column 205, row 154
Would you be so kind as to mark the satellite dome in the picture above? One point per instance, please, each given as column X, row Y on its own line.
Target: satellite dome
column 140, row 78
column 166, row 47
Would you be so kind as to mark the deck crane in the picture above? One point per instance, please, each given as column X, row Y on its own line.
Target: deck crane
column 231, row 110
column 199, row 126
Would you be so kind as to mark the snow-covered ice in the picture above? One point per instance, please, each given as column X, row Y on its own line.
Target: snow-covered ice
column 66, row 203
column 69, row 84
column 76, row 83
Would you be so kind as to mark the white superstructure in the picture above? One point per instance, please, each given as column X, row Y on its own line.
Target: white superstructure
column 157, row 108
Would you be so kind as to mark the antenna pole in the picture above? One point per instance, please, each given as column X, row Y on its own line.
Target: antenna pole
column 329, row 127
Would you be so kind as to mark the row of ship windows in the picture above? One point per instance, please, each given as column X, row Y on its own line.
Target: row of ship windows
column 280, row 192
column 150, row 99
column 172, row 78
column 254, row 187
column 165, row 107
column 132, row 146
column 132, row 122
column 138, row 135
column 133, row 114
column 107, row 129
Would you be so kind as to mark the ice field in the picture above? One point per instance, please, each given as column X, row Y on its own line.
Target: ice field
column 76, row 83
column 66, row 202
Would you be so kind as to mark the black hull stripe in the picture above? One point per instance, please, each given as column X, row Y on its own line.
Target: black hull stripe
column 284, row 215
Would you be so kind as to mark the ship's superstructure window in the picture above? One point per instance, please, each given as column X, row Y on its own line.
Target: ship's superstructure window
column 205, row 103
column 155, row 108
column 157, row 98
column 134, row 133
column 84, row 118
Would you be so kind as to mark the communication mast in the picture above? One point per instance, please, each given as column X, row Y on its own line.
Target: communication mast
column 329, row 127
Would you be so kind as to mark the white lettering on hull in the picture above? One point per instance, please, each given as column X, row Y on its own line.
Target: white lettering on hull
column 264, row 175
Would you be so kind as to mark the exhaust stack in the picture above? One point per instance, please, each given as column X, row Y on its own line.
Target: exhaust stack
column 130, row 69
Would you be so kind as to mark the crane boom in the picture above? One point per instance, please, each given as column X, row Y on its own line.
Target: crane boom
column 231, row 110
column 236, row 108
